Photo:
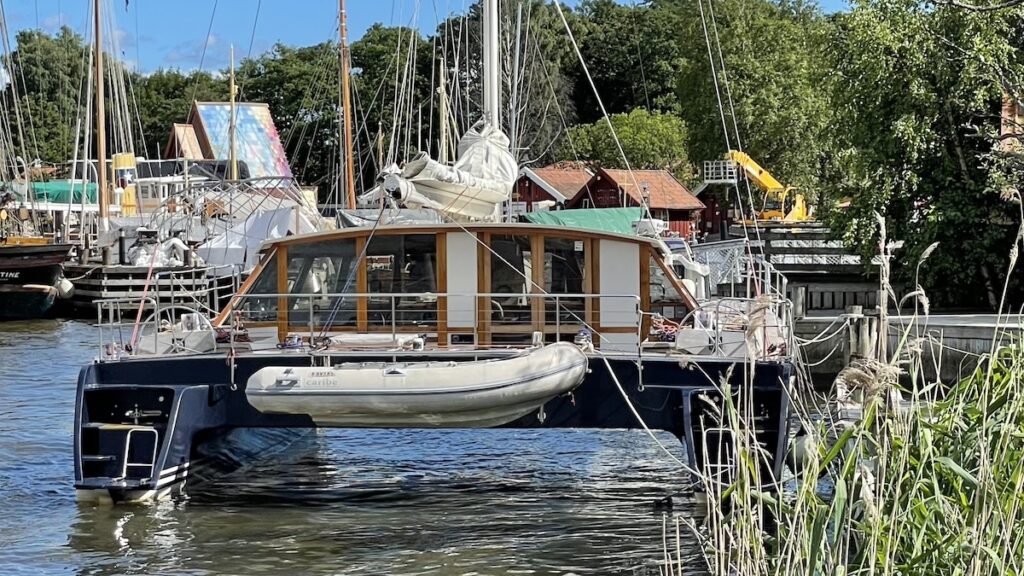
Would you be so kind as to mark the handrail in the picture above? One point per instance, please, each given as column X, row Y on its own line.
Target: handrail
column 393, row 297
column 110, row 305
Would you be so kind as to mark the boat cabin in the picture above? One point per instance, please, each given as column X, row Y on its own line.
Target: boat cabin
column 475, row 285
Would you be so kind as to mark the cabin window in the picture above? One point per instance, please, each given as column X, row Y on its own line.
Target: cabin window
column 665, row 299
column 563, row 274
column 511, row 273
column 405, row 266
column 257, row 309
column 318, row 273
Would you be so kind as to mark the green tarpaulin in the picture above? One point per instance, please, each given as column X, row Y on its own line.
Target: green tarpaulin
column 58, row 192
column 619, row 220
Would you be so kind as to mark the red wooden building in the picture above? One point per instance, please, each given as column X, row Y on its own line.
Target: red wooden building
column 667, row 198
column 544, row 188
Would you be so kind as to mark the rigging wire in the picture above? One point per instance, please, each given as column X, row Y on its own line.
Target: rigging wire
column 206, row 44
column 643, row 202
column 736, row 133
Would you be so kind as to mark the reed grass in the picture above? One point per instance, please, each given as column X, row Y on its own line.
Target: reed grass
column 900, row 476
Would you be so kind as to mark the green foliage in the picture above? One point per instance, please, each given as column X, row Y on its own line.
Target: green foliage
column 650, row 140
column 301, row 87
column 893, row 104
column 920, row 89
column 394, row 92
column 47, row 74
column 777, row 78
column 165, row 97
column 634, row 56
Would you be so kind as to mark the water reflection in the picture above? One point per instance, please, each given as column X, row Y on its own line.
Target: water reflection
column 335, row 502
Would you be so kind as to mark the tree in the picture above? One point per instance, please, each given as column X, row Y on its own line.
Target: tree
column 395, row 100
column 633, row 55
column 650, row 140
column 46, row 73
column 300, row 85
column 537, row 98
column 777, row 101
column 165, row 97
column 920, row 89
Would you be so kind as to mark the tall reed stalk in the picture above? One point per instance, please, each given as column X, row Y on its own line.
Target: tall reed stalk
column 920, row 478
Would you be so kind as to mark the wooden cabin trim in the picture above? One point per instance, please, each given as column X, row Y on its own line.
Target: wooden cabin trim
column 225, row 314
column 588, row 281
column 537, row 305
column 645, row 288
column 595, row 284
column 483, row 236
column 688, row 299
column 483, row 286
column 282, row 288
column 497, row 229
column 361, row 285
column 441, row 278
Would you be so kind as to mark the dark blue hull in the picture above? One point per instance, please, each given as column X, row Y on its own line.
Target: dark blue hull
column 139, row 423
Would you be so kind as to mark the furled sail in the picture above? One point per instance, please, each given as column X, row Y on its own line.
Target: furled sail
column 473, row 189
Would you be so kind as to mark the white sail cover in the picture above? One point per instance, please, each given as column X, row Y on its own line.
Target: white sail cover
column 241, row 243
column 474, row 188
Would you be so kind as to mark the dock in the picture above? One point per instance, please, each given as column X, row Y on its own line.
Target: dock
column 951, row 344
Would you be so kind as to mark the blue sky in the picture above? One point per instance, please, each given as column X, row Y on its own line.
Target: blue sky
column 171, row 33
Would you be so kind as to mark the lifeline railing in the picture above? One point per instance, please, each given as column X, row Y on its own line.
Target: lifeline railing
column 111, row 316
column 398, row 315
column 204, row 286
column 401, row 313
column 733, row 263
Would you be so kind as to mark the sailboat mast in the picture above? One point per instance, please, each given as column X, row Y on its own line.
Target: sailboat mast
column 492, row 86
column 233, row 156
column 348, row 180
column 101, row 123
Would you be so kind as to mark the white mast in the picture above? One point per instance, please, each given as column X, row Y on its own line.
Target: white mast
column 232, row 156
column 491, row 69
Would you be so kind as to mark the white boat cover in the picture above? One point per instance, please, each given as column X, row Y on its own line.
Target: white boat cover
column 240, row 244
column 445, row 394
column 473, row 189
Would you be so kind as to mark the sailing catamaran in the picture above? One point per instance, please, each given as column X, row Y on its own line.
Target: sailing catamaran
column 471, row 322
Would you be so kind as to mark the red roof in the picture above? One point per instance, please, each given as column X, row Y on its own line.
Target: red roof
column 665, row 191
column 566, row 181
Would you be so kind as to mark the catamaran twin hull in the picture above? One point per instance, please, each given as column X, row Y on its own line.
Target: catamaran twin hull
column 483, row 393
column 140, row 422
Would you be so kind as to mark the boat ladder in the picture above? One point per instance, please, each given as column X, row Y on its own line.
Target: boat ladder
column 139, row 452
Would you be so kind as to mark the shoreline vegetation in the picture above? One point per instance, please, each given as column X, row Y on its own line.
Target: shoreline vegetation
column 899, row 475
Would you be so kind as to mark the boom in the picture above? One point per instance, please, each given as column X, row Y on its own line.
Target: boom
column 772, row 188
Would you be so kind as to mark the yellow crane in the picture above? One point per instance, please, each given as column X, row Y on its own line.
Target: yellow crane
column 774, row 205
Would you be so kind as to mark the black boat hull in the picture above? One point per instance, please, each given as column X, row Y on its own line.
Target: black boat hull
column 28, row 279
column 140, row 422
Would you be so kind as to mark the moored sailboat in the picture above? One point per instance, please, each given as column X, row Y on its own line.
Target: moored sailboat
column 471, row 322
column 31, row 276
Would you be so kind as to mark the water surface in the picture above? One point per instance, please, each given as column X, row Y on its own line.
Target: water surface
column 335, row 502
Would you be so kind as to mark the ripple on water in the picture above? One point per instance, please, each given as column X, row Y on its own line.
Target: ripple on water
column 335, row 502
